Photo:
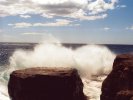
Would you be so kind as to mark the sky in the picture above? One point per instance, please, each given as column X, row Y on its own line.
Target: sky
column 70, row 21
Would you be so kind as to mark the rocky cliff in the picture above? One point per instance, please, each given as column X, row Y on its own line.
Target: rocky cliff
column 45, row 84
column 119, row 83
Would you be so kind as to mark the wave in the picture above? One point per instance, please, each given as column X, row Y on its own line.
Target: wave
column 94, row 62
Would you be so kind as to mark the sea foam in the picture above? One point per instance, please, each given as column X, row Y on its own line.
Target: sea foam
column 94, row 62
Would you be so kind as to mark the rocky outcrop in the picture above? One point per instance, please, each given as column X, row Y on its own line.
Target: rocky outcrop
column 45, row 84
column 119, row 83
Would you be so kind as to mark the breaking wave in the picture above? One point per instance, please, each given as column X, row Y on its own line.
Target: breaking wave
column 94, row 62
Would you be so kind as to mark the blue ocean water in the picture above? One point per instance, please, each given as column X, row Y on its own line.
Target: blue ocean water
column 6, row 49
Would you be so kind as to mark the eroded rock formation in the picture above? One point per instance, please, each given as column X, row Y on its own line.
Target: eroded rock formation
column 45, row 84
column 119, row 83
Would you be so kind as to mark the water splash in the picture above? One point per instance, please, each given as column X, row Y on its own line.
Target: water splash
column 92, row 61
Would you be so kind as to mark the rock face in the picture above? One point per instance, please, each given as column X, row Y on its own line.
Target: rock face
column 119, row 83
column 45, row 84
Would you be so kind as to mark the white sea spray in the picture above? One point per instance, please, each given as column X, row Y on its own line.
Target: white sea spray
column 94, row 62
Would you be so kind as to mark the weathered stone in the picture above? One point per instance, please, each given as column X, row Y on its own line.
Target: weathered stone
column 120, row 79
column 45, row 84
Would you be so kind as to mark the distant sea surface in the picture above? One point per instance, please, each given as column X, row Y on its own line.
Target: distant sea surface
column 7, row 49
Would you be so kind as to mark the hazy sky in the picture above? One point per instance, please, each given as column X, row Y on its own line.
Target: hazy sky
column 71, row 21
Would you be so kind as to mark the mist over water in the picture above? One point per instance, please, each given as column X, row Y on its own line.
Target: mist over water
column 94, row 62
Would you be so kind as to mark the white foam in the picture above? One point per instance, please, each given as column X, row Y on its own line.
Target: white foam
column 91, row 60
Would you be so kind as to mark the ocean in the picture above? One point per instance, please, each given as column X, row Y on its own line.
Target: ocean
column 93, row 61
column 6, row 49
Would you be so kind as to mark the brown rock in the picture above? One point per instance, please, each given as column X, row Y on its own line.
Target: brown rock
column 45, row 84
column 124, row 95
column 119, row 80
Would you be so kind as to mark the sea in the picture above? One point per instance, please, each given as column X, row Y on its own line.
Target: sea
column 18, row 54
column 7, row 49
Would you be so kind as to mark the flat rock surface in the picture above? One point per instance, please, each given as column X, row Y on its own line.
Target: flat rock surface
column 44, row 71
